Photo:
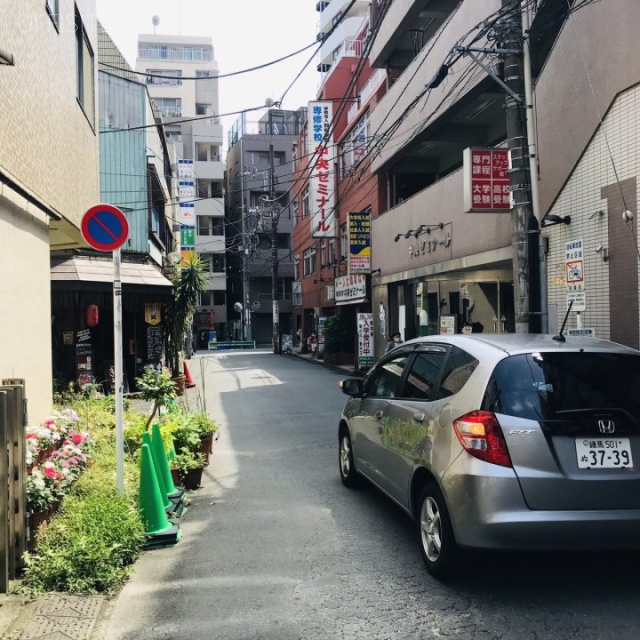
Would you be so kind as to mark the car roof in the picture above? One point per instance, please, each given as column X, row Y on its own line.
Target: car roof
column 513, row 343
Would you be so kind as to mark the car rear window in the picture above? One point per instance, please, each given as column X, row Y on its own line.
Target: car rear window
column 550, row 386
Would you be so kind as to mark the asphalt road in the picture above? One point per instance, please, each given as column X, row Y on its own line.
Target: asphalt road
column 275, row 548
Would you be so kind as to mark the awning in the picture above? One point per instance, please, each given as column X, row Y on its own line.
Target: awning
column 88, row 269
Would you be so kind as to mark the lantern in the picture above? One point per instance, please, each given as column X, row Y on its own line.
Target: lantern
column 92, row 315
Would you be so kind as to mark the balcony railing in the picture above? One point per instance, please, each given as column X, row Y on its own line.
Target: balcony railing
column 189, row 55
column 372, row 84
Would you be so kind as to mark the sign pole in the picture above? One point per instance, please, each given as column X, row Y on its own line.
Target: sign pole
column 119, row 377
column 105, row 228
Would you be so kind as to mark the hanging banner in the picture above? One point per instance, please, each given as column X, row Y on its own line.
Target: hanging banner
column 365, row 340
column 321, row 178
column 486, row 181
column 359, row 227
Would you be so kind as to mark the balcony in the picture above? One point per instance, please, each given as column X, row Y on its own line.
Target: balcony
column 334, row 48
column 409, row 25
column 216, row 281
column 167, row 53
column 210, row 244
column 378, row 77
column 210, row 207
column 208, row 170
column 333, row 9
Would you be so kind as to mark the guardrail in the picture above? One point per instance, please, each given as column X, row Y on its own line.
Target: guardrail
column 233, row 344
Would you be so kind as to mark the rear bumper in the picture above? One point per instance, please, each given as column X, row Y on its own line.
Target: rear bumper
column 489, row 512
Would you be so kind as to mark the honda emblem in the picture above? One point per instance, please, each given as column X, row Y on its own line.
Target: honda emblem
column 606, row 426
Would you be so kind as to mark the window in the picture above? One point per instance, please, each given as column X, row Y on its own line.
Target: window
column 169, row 77
column 202, row 109
column 323, row 253
column 219, row 298
column 344, row 241
column 84, row 66
column 309, row 262
column 296, row 268
column 332, row 251
column 424, row 374
column 169, row 107
column 384, row 380
column 53, row 9
column 306, row 207
column 354, row 148
column 294, row 158
column 294, row 211
column 216, row 263
column 460, row 365
column 210, row 226
column 566, row 389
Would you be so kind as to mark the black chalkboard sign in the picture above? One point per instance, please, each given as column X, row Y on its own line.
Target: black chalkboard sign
column 154, row 344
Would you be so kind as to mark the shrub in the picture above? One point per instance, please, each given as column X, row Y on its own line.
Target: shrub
column 338, row 337
column 88, row 548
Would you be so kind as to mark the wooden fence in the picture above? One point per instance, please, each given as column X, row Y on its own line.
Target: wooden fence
column 13, row 537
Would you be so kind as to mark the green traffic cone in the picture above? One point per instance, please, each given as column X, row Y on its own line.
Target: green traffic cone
column 151, row 504
column 146, row 439
column 161, row 455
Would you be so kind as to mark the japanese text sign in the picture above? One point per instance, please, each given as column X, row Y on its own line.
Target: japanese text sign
column 321, row 177
column 486, row 180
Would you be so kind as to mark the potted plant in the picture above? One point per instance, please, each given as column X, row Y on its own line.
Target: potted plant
column 338, row 341
column 189, row 281
column 157, row 387
column 189, row 465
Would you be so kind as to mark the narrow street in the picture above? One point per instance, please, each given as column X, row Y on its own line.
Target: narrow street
column 275, row 548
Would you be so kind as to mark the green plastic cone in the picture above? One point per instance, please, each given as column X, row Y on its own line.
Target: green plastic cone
column 146, row 439
column 151, row 504
column 161, row 455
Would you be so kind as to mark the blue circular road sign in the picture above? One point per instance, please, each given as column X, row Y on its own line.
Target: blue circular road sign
column 105, row 227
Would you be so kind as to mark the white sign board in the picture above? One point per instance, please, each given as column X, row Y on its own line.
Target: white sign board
column 351, row 289
column 321, row 152
column 579, row 299
column 574, row 265
column 581, row 333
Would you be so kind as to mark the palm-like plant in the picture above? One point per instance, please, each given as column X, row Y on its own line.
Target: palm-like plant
column 189, row 280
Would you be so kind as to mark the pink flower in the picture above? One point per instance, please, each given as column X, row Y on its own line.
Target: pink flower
column 76, row 438
column 50, row 472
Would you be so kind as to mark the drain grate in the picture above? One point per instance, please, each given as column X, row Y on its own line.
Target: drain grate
column 62, row 618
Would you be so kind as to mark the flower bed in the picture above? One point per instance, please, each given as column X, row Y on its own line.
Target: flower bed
column 56, row 454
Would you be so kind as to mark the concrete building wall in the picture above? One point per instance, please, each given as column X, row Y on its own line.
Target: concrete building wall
column 48, row 147
column 602, row 185
column 47, row 142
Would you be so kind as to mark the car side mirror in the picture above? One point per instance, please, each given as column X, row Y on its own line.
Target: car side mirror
column 351, row 387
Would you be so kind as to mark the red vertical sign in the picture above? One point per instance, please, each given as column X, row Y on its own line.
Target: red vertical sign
column 487, row 180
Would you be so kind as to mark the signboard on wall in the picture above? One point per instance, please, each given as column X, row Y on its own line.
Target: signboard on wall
column 359, row 229
column 350, row 289
column 321, row 152
column 574, row 265
column 486, row 181
column 365, row 339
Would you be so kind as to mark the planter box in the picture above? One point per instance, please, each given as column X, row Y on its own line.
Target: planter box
column 193, row 478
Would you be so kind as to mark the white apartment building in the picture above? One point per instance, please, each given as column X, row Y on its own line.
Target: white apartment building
column 48, row 172
column 182, row 78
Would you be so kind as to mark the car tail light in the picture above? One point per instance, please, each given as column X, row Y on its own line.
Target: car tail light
column 480, row 434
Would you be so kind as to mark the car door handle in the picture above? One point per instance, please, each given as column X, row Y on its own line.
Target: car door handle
column 378, row 415
column 419, row 417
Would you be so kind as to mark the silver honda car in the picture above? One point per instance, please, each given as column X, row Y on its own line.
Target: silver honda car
column 505, row 441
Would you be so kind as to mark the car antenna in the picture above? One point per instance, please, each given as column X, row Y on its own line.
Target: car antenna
column 560, row 337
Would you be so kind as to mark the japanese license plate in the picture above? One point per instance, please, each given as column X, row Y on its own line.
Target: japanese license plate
column 604, row 453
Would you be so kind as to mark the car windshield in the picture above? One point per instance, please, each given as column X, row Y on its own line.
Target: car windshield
column 549, row 386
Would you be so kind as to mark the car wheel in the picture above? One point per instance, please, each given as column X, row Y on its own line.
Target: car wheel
column 438, row 545
column 348, row 473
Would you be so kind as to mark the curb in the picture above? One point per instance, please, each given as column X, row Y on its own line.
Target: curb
column 340, row 370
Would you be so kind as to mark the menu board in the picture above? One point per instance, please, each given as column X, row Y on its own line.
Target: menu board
column 154, row 344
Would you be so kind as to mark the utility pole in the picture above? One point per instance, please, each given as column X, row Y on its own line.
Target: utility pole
column 274, row 253
column 246, row 309
column 525, row 228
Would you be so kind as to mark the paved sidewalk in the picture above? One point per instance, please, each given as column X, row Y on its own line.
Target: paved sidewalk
column 75, row 617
